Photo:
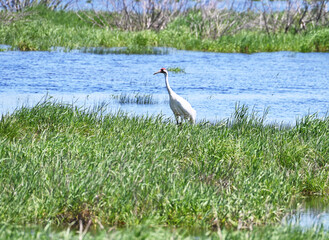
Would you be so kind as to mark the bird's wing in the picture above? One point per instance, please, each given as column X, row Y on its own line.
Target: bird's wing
column 183, row 106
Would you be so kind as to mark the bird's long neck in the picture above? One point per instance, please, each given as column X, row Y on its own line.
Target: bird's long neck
column 170, row 91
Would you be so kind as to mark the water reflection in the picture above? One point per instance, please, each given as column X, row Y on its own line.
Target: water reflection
column 313, row 212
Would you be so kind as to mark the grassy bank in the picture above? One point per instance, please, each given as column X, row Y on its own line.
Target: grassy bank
column 161, row 233
column 43, row 29
column 72, row 167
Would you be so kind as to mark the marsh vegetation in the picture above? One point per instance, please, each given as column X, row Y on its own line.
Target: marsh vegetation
column 77, row 172
column 79, row 168
column 176, row 70
column 137, row 98
column 192, row 25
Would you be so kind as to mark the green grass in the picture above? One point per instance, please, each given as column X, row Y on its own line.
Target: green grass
column 45, row 29
column 63, row 165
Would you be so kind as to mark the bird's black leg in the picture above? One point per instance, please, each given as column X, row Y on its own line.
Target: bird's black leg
column 177, row 119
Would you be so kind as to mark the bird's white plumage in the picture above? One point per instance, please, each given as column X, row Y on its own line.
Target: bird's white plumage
column 181, row 108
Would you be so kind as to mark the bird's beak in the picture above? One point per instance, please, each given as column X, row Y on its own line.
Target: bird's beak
column 156, row 72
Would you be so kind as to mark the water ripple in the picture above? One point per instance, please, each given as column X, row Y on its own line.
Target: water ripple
column 291, row 84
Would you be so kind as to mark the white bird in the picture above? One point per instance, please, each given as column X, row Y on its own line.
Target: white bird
column 182, row 109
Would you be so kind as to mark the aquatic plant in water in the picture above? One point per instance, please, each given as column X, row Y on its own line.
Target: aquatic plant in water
column 134, row 49
column 176, row 70
column 126, row 98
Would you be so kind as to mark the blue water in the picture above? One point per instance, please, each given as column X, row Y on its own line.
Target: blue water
column 290, row 84
column 312, row 212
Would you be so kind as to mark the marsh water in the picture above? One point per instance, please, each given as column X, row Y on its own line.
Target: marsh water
column 312, row 212
column 291, row 85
